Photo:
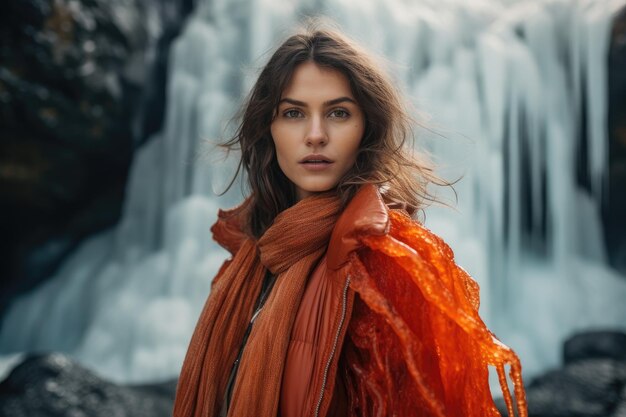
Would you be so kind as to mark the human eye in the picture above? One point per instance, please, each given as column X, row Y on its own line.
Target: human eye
column 339, row 114
column 292, row 114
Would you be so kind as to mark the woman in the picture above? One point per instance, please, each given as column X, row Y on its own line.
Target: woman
column 335, row 302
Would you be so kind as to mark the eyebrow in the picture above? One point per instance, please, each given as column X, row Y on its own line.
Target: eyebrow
column 326, row 103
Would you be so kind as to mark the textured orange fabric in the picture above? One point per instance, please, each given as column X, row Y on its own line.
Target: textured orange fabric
column 416, row 344
column 312, row 330
column 290, row 248
column 309, row 385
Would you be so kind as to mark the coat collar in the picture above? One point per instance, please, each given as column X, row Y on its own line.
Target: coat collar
column 365, row 214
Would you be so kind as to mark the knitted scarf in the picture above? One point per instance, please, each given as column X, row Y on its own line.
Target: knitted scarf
column 290, row 248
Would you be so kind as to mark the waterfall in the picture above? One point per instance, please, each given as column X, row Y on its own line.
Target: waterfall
column 498, row 87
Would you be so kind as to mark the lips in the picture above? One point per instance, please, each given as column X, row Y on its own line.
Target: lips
column 316, row 163
column 316, row 159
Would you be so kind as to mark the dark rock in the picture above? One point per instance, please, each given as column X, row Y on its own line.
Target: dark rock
column 65, row 124
column 591, row 384
column 620, row 408
column 596, row 344
column 75, row 102
column 586, row 388
column 53, row 385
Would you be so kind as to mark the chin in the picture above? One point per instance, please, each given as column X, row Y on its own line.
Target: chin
column 309, row 191
column 319, row 188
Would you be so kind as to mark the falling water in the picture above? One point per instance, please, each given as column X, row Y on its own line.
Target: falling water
column 498, row 87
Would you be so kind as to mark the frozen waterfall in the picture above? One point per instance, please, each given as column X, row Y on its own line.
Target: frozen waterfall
column 502, row 83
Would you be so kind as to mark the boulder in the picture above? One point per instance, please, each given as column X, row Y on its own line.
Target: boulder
column 54, row 385
column 595, row 344
column 592, row 382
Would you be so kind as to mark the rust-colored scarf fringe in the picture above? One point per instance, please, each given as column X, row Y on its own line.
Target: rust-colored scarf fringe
column 416, row 345
column 290, row 248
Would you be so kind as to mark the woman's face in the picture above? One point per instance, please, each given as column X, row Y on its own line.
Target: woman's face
column 317, row 129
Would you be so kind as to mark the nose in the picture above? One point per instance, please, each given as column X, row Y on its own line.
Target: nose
column 316, row 133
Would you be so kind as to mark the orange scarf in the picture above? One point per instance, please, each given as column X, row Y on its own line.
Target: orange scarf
column 290, row 248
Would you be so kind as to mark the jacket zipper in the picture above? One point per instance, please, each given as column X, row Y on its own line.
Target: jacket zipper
column 332, row 352
column 235, row 368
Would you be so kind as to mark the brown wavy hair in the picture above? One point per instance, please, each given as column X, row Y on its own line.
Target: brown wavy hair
column 382, row 158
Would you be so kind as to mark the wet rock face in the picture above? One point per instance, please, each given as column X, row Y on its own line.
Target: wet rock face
column 591, row 383
column 73, row 100
column 55, row 386
column 65, row 126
